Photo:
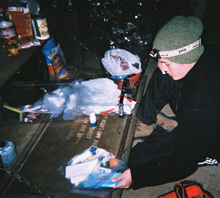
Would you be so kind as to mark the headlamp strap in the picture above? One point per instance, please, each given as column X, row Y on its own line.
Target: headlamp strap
column 180, row 51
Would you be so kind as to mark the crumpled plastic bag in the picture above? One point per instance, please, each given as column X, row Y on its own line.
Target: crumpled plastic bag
column 119, row 62
column 99, row 96
column 52, row 103
column 56, row 101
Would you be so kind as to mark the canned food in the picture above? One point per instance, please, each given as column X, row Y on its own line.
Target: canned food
column 40, row 27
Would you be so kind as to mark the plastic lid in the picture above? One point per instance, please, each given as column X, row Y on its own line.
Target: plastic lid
column 33, row 6
column 5, row 24
column 119, row 77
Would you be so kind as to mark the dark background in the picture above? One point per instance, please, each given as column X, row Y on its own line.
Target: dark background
column 87, row 29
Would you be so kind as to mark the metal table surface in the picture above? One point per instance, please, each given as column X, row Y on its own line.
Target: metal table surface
column 10, row 65
column 59, row 143
column 43, row 147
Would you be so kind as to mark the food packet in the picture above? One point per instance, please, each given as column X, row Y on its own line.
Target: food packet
column 56, row 58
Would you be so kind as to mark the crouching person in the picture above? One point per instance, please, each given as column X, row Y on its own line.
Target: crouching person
column 188, row 79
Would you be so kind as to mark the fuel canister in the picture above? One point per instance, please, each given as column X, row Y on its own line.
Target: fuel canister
column 7, row 151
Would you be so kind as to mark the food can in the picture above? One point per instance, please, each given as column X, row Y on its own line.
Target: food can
column 40, row 27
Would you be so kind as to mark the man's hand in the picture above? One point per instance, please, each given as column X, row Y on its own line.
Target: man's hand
column 126, row 179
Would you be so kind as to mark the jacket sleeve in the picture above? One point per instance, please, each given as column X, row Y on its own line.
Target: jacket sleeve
column 169, row 156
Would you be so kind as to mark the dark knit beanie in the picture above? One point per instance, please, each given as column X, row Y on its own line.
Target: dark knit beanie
column 177, row 33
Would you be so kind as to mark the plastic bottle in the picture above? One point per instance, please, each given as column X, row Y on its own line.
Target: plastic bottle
column 6, row 25
column 93, row 121
column 8, row 34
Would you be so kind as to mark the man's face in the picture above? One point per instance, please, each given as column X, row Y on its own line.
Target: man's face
column 175, row 70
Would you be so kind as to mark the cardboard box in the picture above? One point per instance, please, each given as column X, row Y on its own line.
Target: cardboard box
column 22, row 20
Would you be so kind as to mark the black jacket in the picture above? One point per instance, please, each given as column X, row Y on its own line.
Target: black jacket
column 169, row 156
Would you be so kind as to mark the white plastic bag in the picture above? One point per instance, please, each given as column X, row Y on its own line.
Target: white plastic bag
column 119, row 62
column 99, row 96
column 55, row 102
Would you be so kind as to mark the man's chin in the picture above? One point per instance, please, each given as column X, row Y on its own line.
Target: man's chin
column 174, row 78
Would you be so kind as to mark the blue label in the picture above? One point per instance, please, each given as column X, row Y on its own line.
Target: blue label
column 94, row 125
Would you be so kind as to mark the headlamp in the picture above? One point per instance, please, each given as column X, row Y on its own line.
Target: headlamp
column 154, row 53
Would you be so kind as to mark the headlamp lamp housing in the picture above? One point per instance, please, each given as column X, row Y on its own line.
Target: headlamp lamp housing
column 154, row 53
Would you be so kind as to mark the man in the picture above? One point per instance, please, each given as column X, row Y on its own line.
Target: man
column 188, row 79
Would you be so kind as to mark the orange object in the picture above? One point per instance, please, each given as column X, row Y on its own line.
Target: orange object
column 187, row 189
column 51, row 70
column 134, row 81
column 113, row 162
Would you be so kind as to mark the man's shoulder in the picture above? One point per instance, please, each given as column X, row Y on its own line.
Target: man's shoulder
column 212, row 49
column 210, row 56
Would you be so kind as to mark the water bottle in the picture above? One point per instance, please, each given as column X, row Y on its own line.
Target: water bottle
column 93, row 121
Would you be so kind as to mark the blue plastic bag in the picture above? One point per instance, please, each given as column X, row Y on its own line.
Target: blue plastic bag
column 92, row 170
